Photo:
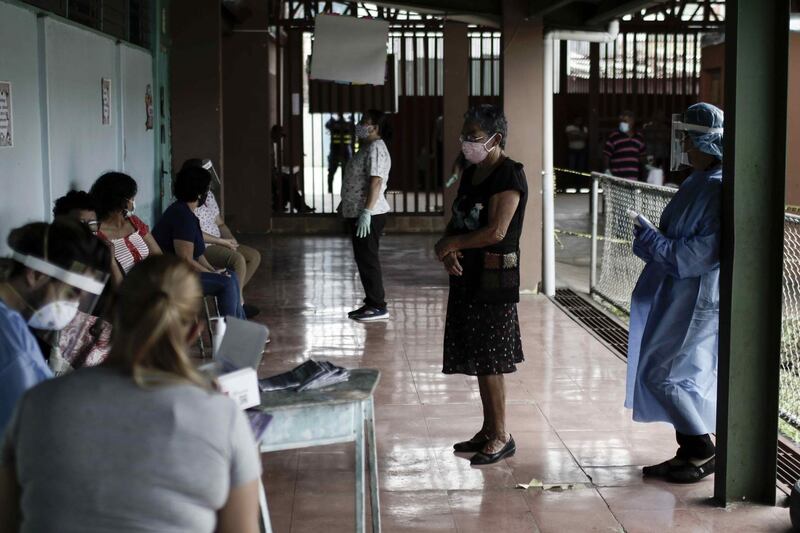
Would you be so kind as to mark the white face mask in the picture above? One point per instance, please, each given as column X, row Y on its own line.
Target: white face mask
column 362, row 131
column 133, row 207
column 624, row 127
column 54, row 316
column 475, row 152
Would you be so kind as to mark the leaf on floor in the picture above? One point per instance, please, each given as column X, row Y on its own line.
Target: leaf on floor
column 552, row 487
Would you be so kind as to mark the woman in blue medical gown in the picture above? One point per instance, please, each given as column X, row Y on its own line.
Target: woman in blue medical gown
column 674, row 327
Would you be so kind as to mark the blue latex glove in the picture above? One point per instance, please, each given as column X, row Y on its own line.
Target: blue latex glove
column 646, row 238
column 363, row 226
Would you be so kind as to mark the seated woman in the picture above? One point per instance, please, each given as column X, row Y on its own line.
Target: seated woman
column 51, row 267
column 141, row 443
column 222, row 248
column 86, row 340
column 178, row 232
column 114, row 196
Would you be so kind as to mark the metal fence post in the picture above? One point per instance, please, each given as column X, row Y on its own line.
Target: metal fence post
column 594, row 210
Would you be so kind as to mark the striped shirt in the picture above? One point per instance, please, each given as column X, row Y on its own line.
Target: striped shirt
column 131, row 249
column 624, row 154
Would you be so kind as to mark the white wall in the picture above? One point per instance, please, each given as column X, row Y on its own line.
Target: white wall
column 59, row 139
column 138, row 143
column 22, row 196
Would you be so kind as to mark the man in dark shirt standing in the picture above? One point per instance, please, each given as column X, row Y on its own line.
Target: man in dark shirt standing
column 625, row 149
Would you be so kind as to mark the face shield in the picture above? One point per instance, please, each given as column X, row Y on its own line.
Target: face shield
column 209, row 166
column 64, row 295
column 681, row 130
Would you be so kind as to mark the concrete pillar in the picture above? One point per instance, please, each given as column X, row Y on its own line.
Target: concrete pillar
column 456, row 100
column 523, row 55
column 246, row 125
column 752, row 249
column 196, row 81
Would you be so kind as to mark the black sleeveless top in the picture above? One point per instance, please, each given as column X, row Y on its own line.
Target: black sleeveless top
column 491, row 274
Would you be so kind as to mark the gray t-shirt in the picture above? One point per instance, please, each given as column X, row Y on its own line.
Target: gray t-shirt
column 95, row 452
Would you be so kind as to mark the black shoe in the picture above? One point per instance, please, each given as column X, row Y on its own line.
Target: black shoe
column 357, row 311
column 690, row 473
column 250, row 310
column 480, row 458
column 370, row 314
column 469, row 446
column 662, row 469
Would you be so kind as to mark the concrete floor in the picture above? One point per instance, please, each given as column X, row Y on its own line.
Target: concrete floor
column 564, row 410
column 573, row 252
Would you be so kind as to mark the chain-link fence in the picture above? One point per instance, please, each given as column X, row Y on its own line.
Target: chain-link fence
column 619, row 269
column 790, row 325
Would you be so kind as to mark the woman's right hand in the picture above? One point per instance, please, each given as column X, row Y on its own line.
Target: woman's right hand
column 230, row 243
column 452, row 265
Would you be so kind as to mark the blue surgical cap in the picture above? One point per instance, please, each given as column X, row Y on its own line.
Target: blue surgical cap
column 710, row 116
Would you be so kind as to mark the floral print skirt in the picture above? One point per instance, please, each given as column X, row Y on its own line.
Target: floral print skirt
column 480, row 339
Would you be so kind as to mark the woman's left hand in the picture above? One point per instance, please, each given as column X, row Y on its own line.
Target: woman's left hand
column 445, row 246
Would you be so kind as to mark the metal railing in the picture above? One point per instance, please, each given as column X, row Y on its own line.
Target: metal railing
column 614, row 270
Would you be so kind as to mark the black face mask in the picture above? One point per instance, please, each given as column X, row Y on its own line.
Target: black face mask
column 202, row 200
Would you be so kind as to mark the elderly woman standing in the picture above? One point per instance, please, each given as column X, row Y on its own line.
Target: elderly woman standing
column 481, row 253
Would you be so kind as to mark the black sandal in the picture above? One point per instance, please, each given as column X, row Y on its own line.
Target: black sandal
column 690, row 473
column 475, row 444
column 662, row 470
column 481, row 458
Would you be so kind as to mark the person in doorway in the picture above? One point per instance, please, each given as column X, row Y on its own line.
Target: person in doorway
column 222, row 248
column 674, row 324
column 54, row 270
column 340, row 148
column 625, row 150
column 577, row 134
column 178, row 232
column 365, row 208
column 286, row 187
column 480, row 251
column 142, row 443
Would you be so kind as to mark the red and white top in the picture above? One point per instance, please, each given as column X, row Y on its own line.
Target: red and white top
column 131, row 249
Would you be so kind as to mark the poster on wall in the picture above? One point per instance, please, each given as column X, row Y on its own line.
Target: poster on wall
column 6, row 122
column 349, row 49
column 148, row 107
column 105, row 90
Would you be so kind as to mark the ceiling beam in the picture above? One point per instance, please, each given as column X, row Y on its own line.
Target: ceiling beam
column 611, row 9
column 463, row 7
column 453, row 10
column 539, row 8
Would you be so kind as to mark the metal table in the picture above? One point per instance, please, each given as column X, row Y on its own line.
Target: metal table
column 340, row 413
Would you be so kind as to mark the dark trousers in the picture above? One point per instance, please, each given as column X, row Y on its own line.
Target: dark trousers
column 226, row 289
column 368, row 262
column 339, row 156
column 578, row 160
column 694, row 446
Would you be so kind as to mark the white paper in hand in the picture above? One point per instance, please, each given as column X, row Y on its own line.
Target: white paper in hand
column 638, row 218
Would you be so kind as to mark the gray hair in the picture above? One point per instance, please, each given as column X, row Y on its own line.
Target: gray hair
column 490, row 119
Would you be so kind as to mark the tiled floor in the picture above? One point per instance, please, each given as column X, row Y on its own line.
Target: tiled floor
column 564, row 410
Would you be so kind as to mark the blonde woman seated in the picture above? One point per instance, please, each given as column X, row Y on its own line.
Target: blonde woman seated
column 141, row 443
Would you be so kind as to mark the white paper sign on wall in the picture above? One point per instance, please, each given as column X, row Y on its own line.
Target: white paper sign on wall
column 349, row 49
column 6, row 121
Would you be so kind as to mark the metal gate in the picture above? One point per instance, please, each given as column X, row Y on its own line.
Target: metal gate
column 316, row 118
